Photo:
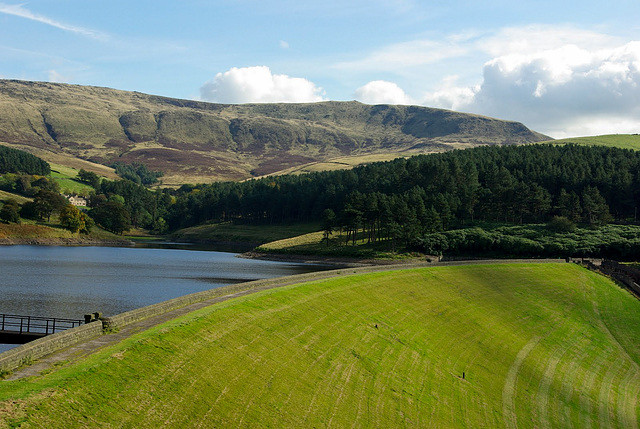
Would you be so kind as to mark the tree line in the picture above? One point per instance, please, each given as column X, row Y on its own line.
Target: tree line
column 399, row 200
column 18, row 161
column 408, row 197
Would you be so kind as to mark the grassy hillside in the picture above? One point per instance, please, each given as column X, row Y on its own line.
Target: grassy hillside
column 624, row 141
column 4, row 196
column 195, row 142
column 30, row 232
column 526, row 345
column 253, row 235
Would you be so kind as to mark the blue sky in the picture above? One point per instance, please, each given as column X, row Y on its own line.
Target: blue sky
column 560, row 67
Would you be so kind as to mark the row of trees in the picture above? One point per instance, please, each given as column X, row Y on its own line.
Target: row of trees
column 18, row 161
column 513, row 184
column 398, row 200
column 612, row 241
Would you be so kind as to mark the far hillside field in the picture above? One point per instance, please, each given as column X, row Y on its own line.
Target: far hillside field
column 495, row 346
column 623, row 141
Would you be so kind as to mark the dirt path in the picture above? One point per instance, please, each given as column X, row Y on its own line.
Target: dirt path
column 80, row 350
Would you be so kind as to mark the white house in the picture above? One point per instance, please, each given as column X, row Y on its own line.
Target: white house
column 77, row 201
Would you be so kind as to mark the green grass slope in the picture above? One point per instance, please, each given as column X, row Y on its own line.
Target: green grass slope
column 540, row 345
column 251, row 235
column 623, row 141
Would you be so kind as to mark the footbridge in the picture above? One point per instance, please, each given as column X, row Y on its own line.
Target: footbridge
column 15, row 329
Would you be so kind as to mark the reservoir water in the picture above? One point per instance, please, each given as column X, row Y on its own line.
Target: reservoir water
column 68, row 282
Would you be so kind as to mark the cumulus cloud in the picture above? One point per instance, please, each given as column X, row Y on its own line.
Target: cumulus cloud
column 259, row 85
column 559, row 80
column 567, row 90
column 382, row 92
column 451, row 95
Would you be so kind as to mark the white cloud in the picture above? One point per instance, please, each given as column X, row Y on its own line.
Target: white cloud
column 259, row 85
column 567, row 84
column 19, row 10
column 382, row 92
column 554, row 79
column 408, row 54
column 450, row 95
column 581, row 84
column 284, row 44
column 531, row 39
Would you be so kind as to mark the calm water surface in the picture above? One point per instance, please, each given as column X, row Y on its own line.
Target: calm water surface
column 68, row 282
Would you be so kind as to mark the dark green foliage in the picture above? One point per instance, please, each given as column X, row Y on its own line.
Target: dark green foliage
column 561, row 224
column 145, row 207
column 613, row 241
column 10, row 212
column 401, row 199
column 18, row 161
column 27, row 185
column 44, row 205
column 137, row 173
column 112, row 216
column 328, row 223
column 425, row 202
column 595, row 208
column 89, row 177
column 29, row 210
column 43, row 183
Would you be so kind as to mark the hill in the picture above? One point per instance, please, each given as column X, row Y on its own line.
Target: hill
column 512, row 345
column 623, row 141
column 192, row 141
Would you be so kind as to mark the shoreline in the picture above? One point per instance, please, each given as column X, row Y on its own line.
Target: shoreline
column 52, row 241
column 331, row 260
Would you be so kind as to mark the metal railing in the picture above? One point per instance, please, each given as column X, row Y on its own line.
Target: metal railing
column 35, row 325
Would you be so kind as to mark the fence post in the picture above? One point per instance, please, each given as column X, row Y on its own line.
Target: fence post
column 53, row 330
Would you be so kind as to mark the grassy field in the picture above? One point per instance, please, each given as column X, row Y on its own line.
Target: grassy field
column 32, row 231
column 514, row 345
column 624, row 141
column 313, row 244
column 65, row 176
column 29, row 231
column 342, row 163
column 252, row 234
column 5, row 196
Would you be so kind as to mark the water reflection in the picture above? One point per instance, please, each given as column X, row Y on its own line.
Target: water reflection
column 68, row 282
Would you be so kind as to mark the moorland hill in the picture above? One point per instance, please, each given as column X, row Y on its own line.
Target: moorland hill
column 193, row 141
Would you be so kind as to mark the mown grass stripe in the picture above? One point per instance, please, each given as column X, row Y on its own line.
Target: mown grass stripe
column 509, row 389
